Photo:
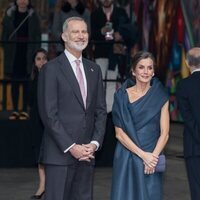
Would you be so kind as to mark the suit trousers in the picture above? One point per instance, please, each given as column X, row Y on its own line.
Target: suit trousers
column 193, row 172
column 72, row 182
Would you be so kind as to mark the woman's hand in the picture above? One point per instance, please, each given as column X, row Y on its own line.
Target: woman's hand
column 148, row 170
column 150, row 159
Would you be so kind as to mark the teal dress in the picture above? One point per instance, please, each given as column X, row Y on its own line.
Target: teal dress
column 140, row 120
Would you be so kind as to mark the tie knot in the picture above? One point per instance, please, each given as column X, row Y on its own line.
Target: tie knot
column 77, row 62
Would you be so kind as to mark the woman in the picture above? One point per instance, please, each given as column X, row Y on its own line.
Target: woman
column 141, row 119
column 39, row 59
column 21, row 26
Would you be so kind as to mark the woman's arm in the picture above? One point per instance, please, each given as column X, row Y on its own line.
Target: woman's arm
column 149, row 158
column 164, row 129
column 164, row 135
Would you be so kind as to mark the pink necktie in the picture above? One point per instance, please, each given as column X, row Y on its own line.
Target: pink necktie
column 80, row 80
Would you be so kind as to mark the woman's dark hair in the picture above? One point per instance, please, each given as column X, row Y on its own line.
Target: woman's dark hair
column 34, row 67
column 29, row 4
column 139, row 56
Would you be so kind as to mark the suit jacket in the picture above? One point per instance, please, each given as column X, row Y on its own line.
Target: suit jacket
column 188, row 96
column 62, row 110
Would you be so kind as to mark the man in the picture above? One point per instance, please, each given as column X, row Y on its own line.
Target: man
column 188, row 96
column 64, row 10
column 73, row 110
column 105, row 24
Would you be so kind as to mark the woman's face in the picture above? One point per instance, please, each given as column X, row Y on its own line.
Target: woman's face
column 144, row 70
column 22, row 4
column 40, row 60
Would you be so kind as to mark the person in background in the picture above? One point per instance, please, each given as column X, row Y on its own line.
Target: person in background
column 141, row 118
column 21, row 24
column 105, row 23
column 40, row 58
column 73, row 110
column 188, row 98
column 64, row 10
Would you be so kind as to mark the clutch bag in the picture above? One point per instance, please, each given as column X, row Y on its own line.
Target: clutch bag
column 161, row 165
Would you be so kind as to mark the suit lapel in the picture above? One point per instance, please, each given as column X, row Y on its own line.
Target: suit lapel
column 70, row 77
column 88, row 73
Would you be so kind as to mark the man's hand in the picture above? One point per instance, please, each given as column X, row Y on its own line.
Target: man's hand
column 90, row 149
column 79, row 151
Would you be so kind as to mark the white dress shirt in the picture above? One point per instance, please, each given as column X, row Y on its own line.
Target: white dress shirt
column 72, row 60
column 196, row 70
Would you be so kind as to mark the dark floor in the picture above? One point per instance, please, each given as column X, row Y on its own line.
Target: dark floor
column 20, row 183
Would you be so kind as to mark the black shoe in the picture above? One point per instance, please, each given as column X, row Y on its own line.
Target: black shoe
column 37, row 196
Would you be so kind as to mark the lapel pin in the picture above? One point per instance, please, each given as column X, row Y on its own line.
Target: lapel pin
column 91, row 69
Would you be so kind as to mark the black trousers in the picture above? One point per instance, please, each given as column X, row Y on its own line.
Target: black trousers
column 73, row 182
column 193, row 172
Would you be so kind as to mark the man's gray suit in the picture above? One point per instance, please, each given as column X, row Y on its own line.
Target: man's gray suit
column 63, row 114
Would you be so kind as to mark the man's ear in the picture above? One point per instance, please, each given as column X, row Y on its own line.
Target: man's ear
column 191, row 68
column 64, row 37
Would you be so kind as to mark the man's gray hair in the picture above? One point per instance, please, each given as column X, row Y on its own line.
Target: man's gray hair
column 66, row 23
column 193, row 57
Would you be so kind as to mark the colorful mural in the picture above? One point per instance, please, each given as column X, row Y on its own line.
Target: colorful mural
column 169, row 29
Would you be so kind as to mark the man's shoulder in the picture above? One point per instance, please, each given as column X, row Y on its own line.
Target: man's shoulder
column 180, row 84
column 184, row 80
column 52, row 64
column 90, row 62
column 183, row 86
column 58, row 60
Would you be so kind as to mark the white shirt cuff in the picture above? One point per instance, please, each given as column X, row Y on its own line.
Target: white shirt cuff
column 96, row 143
column 65, row 151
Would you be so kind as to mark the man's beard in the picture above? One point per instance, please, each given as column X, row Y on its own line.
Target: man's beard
column 79, row 46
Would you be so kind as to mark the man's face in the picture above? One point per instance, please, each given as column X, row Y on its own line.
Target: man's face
column 76, row 35
column 106, row 3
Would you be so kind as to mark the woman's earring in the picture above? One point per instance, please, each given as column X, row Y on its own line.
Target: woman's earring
column 153, row 74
